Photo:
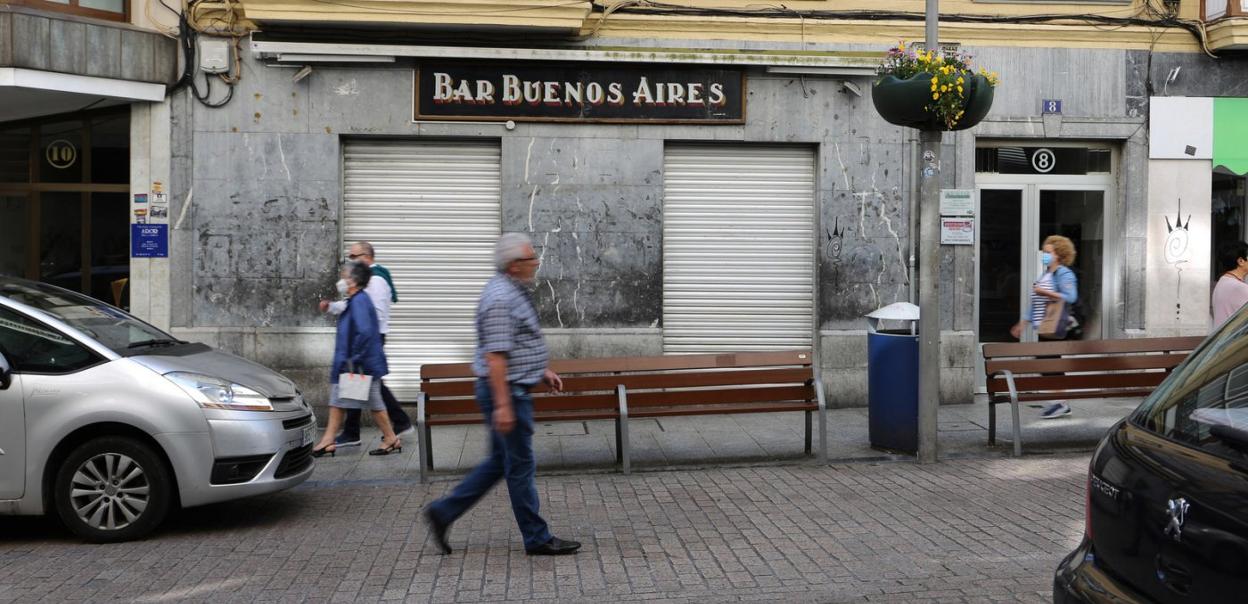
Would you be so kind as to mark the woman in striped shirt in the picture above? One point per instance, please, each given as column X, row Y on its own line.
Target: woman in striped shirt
column 1057, row 282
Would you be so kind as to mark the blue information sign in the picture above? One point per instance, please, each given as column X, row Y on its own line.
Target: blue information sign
column 149, row 241
column 1049, row 106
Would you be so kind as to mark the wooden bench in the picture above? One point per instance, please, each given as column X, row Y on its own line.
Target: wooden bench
column 1049, row 371
column 625, row 388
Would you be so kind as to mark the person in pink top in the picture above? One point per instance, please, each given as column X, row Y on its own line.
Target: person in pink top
column 1230, row 292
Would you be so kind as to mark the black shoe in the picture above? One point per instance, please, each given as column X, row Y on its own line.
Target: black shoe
column 347, row 441
column 555, row 547
column 438, row 530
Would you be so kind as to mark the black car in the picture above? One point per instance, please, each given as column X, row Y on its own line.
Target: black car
column 1167, row 496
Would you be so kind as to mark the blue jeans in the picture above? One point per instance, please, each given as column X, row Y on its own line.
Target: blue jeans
column 511, row 457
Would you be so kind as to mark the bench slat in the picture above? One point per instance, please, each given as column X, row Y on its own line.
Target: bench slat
column 643, row 381
column 540, row 403
column 685, row 361
column 1057, row 383
column 1086, row 364
column 1004, row 397
column 1033, row 349
column 658, row 363
column 738, row 395
column 720, row 409
column 548, row 416
column 685, row 379
column 446, row 371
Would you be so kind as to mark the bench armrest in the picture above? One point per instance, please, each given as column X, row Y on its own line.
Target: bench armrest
column 421, row 436
column 1018, row 430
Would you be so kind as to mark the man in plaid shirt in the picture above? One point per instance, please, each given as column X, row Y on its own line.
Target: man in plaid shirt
column 511, row 359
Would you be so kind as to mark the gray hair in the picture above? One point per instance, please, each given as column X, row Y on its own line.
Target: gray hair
column 509, row 249
column 367, row 247
column 357, row 272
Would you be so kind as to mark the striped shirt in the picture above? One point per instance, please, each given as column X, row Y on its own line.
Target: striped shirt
column 1039, row 302
column 507, row 322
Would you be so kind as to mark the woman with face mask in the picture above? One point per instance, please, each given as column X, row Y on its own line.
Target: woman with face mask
column 1057, row 282
column 357, row 350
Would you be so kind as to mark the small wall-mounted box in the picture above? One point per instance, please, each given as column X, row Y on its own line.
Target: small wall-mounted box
column 214, row 55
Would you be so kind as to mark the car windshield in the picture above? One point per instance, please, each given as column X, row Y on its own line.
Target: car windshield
column 1210, row 388
column 106, row 324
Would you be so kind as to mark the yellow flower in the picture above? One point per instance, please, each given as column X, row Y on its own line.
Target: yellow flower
column 959, row 90
column 934, row 80
column 960, row 80
column 944, row 89
column 935, row 95
column 933, row 88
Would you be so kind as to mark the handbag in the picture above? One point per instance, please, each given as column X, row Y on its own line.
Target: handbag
column 354, row 386
column 1056, row 320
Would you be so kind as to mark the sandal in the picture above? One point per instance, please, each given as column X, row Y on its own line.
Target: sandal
column 396, row 447
column 323, row 450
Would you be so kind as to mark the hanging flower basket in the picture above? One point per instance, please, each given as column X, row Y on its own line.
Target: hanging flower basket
column 932, row 92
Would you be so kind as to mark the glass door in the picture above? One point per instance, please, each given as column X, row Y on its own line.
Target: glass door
column 1000, row 259
column 1079, row 215
column 1014, row 222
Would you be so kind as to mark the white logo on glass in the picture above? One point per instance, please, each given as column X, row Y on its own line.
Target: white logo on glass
column 1043, row 161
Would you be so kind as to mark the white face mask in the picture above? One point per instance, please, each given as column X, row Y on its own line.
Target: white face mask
column 342, row 287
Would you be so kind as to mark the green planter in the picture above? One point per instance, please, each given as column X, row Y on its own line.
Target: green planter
column 904, row 102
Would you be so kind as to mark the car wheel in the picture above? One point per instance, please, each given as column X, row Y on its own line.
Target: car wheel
column 112, row 489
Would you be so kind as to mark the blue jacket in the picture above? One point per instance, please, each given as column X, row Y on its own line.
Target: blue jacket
column 359, row 340
column 1067, row 284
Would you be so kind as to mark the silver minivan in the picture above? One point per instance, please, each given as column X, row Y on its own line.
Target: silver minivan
column 110, row 421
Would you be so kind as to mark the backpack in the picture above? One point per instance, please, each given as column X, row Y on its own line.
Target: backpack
column 1075, row 330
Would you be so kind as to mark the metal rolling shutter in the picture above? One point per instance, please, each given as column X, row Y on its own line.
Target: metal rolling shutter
column 431, row 210
column 738, row 248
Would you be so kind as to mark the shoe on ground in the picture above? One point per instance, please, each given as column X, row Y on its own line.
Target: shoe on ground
column 410, row 429
column 555, row 547
column 1055, row 410
column 438, row 530
column 342, row 440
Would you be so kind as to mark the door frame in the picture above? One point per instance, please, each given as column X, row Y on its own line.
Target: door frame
column 1030, row 186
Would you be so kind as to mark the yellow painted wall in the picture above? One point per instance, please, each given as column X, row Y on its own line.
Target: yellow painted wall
column 562, row 13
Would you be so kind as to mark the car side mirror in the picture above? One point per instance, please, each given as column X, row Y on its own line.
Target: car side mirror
column 6, row 373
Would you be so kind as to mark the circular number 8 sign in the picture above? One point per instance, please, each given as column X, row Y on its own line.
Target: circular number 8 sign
column 1043, row 161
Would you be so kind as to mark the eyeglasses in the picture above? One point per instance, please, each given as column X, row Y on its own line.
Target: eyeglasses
column 526, row 259
column 354, row 256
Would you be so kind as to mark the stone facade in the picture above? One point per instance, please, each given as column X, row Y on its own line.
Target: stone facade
column 258, row 244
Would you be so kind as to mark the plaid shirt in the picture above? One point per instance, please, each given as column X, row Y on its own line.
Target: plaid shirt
column 507, row 322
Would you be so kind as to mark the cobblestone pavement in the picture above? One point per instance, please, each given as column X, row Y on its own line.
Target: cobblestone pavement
column 963, row 530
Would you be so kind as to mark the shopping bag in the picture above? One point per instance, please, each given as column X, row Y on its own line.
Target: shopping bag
column 1056, row 320
column 354, row 386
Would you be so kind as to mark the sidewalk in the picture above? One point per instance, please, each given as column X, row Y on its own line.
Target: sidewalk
column 964, row 531
column 715, row 440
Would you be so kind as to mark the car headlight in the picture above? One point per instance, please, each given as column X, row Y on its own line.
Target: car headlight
column 216, row 393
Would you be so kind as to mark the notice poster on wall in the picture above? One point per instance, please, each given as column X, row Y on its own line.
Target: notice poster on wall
column 957, row 231
column 149, row 241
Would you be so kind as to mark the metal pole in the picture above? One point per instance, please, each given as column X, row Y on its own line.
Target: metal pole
column 931, row 39
column 929, row 268
column 929, row 291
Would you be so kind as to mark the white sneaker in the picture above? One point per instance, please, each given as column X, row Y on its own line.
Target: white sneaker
column 410, row 430
column 1055, row 411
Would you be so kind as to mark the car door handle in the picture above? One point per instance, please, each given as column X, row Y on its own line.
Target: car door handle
column 1173, row 575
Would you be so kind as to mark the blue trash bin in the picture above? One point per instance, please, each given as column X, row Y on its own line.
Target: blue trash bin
column 893, row 378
